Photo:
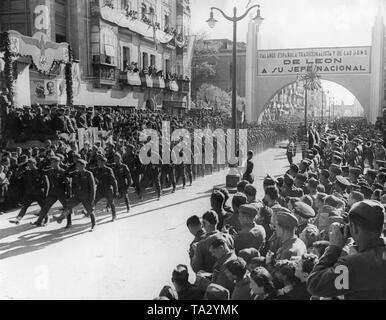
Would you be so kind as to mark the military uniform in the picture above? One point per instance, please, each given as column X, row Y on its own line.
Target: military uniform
column 34, row 183
column 58, row 188
column 124, row 180
column 83, row 191
column 107, row 186
column 366, row 269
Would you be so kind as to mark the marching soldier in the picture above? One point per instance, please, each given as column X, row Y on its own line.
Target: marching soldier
column 123, row 176
column 57, row 190
column 151, row 176
column 107, row 186
column 35, row 187
column 83, row 191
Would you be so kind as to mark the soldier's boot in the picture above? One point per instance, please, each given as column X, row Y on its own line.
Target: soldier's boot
column 69, row 222
column 16, row 221
column 127, row 202
column 174, row 187
column 113, row 212
column 93, row 221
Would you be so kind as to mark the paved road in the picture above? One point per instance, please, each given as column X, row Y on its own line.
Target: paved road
column 129, row 259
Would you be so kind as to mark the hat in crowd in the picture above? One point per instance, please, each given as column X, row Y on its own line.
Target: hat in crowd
column 369, row 210
column 302, row 177
column 294, row 167
column 343, row 181
column 215, row 292
column 101, row 157
column 312, row 175
column 287, row 220
column 248, row 254
column 332, row 201
column 381, row 163
column 372, row 173
column 377, row 186
column 82, row 161
column 248, row 210
column 313, row 183
column 355, row 171
column 304, row 210
column 288, row 180
column 367, row 191
column 32, row 160
column 250, row 190
column 55, row 158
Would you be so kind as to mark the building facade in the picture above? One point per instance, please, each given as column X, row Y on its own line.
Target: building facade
column 220, row 57
column 130, row 53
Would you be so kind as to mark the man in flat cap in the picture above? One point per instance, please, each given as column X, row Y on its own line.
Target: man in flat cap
column 354, row 174
column 303, row 212
column 83, row 191
column 341, row 185
column 292, row 246
column 251, row 234
column 107, row 186
column 360, row 276
column 35, row 185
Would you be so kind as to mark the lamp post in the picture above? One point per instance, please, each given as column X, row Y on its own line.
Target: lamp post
column 212, row 23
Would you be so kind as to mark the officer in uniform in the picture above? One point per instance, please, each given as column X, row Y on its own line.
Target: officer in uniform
column 291, row 245
column 35, row 187
column 152, row 176
column 83, row 191
column 131, row 159
column 248, row 175
column 107, row 186
column 123, row 176
column 361, row 275
column 57, row 191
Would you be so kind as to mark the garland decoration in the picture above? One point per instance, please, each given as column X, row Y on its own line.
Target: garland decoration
column 10, row 69
column 69, row 82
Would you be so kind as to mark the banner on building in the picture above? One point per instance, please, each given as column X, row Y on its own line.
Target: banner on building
column 349, row 60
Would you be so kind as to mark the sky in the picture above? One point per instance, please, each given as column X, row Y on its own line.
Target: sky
column 297, row 24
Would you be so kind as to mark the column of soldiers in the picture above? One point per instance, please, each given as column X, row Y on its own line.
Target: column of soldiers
column 318, row 233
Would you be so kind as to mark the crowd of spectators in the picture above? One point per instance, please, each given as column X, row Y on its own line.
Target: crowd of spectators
column 317, row 234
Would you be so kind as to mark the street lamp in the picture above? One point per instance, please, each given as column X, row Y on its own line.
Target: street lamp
column 212, row 23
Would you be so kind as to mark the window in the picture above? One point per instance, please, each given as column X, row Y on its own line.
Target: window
column 145, row 60
column 126, row 57
column 152, row 60
column 151, row 11
column 167, row 20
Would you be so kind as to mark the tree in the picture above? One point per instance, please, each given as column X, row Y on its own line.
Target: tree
column 312, row 81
